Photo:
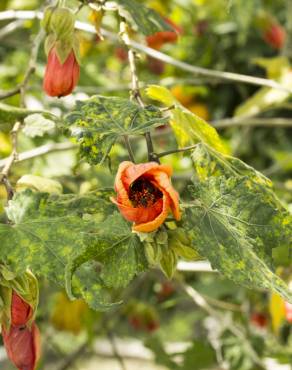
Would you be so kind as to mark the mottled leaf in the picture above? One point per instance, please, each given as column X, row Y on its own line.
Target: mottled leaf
column 100, row 121
column 187, row 126
column 235, row 224
column 147, row 20
column 118, row 251
column 47, row 229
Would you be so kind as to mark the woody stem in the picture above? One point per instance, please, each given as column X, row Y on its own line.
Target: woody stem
column 135, row 91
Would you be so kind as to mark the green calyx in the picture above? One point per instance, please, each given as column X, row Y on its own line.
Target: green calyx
column 59, row 22
column 25, row 285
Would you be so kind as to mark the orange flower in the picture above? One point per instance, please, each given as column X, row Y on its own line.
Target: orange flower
column 145, row 194
column 22, row 345
column 60, row 79
column 275, row 35
column 158, row 39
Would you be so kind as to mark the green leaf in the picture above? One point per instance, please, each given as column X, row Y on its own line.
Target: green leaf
column 235, row 224
column 99, row 121
column 201, row 354
column 147, row 20
column 39, row 183
column 188, row 127
column 209, row 162
column 46, row 232
column 241, row 219
column 118, row 251
column 36, row 125
column 161, row 356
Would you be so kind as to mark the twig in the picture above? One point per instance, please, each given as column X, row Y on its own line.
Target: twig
column 221, row 75
column 11, row 27
column 236, row 330
column 135, row 91
column 14, row 132
column 115, row 350
column 178, row 150
column 252, row 121
column 128, row 145
column 71, row 359
column 39, row 151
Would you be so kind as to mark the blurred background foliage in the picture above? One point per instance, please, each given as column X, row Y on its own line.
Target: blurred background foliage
column 221, row 35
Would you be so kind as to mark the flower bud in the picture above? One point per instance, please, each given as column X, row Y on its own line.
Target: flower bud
column 22, row 345
column 61, row 78
column 21, row 311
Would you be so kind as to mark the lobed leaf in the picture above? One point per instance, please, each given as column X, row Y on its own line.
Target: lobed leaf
column 235, row 220
column 99, row 121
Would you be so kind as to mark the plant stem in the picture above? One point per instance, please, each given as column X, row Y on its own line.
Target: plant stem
column 221, row 75
column 235, row 329
column 168, row 152
column 128, row 145
column 135, row 91
column 17, row 126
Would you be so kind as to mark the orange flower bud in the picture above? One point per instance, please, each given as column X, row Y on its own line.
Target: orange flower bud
column 21, row 312
column 158, row 39
column 22, row 345
column 275, row 35
column 145, row 195
column 60, row 79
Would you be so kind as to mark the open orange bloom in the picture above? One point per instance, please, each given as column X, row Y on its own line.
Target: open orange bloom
column 145, row 194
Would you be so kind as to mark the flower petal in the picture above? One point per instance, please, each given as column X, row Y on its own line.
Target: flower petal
column 162, row 181
column 154, row 224
column 139, row 214
column 135, row 171
column 122, row 194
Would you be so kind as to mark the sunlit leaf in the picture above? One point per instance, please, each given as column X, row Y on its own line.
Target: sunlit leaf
column 187, row 126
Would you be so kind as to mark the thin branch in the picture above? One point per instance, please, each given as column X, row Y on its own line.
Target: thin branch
column 235, row 329
column 39, row 151
column 74, row 356
column 221, row 75
column 135, row 91
column 115, row 350
column 11, row 27
column 129, row 148
column 252, row 121
column 178, row 150
column 14, row 132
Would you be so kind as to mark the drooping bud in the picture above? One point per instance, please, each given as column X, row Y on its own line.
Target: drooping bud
column 22, row 345
column 62, row 49
column 60, row 79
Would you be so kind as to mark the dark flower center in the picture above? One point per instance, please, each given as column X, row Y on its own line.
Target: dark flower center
column 143, row 193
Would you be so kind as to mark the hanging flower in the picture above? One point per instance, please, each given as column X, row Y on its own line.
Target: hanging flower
column 21, row 312
column 275, row 35
column 22, row 345
column 158, row 39
column 145, row 195
column 61, row 78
